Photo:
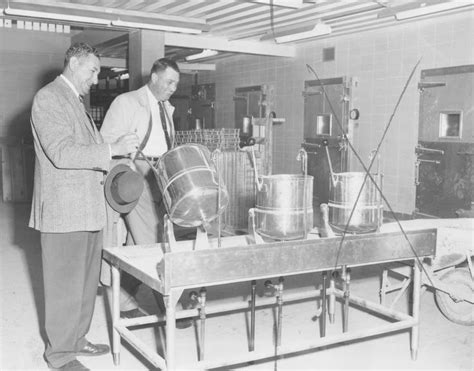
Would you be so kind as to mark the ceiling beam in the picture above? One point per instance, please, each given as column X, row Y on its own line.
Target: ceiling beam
column 223, row 44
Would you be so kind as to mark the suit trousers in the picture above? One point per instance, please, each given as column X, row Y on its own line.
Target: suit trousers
column 145, row 221
column 145, row 225
column 71, row 267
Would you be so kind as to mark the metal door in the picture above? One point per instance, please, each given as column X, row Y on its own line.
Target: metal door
column 444, row 176
column 201, row 107
column 321, row 123
column 248, row 103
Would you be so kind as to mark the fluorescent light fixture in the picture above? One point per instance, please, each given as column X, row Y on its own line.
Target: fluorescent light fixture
column 283, row 3
column 204, row 54
column 55, row 16
column 430, row 9
column 319, row 30
column 158, row 27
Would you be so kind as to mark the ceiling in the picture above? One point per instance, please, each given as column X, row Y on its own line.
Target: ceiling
column 229, row 26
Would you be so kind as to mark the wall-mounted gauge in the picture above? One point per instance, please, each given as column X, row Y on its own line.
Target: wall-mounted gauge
column 354, row 114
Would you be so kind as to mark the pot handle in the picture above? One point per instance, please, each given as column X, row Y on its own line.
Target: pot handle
column 333, row 178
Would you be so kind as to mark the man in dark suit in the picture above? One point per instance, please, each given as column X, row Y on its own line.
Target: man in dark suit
column 68, row 206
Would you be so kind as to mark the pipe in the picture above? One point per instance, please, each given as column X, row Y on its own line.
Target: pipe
column 323, row 306
column 345, row 311
column 202, row 317
column 252, row 315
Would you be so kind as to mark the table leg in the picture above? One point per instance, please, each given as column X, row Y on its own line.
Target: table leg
column 115, row 314
column 415, row 310
column 170, row 304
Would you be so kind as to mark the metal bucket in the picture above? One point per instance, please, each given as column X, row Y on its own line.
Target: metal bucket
column 189, row 183
column 284, row 209
column 344, row 189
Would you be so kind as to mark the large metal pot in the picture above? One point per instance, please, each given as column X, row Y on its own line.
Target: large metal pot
column 284, row 209
column 344, row 189
column 189, row 182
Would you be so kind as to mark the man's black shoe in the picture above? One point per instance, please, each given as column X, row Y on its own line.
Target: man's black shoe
column 73, row 365
column 92, row 350
column 132, row 313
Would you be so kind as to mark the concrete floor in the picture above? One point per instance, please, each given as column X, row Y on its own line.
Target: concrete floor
column 443, row 345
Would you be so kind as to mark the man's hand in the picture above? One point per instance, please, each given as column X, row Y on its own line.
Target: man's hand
column 124, row 145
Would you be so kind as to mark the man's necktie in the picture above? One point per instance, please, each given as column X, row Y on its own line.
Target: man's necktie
column 91, row 120
column 163, row 123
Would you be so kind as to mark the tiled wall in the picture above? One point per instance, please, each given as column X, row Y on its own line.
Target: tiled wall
column 379, row 63
column 28, row 60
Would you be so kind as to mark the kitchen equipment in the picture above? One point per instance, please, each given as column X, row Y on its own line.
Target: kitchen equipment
column 354, row 193
column 367, row 215
column 283, row 202
column 284, row 210
column 192, row 191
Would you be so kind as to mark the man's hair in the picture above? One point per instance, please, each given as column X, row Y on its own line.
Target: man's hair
column 163, row 63
column 79, row 50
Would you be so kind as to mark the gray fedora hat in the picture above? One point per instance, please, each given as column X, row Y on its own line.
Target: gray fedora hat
column 123, row 188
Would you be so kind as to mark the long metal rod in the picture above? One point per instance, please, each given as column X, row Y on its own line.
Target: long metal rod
column 220, row 308
column 374, row 307
column 298, row 346
column 143, row 348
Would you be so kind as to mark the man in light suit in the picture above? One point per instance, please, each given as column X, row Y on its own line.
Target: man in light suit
column 68, row 205
column 147, row 112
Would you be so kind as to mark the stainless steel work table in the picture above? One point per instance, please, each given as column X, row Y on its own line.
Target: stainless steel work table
column 189, row 265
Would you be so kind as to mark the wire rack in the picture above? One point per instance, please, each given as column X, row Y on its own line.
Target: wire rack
column 223, row 139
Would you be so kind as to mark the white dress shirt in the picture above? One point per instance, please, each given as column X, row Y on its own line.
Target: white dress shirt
column 156, row 144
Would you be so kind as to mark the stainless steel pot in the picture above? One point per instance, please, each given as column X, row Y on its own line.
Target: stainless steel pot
column 368, row 213
column 284, row 209
column 189, row 182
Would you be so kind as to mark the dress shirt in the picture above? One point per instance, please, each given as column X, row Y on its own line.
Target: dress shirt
column 156, row 145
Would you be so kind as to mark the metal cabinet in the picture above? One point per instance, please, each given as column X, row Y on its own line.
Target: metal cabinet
column 444, row 175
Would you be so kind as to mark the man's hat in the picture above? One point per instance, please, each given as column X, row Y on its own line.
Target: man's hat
column 123, row 188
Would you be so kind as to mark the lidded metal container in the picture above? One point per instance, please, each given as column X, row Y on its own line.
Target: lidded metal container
column 344, row 189
column 284, row 209
column 192, row 190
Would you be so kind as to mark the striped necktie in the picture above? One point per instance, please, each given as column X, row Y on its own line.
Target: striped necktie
column 163, row 123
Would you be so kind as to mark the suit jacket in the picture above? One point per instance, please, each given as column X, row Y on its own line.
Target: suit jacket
column 130, row 112
column 71, row 159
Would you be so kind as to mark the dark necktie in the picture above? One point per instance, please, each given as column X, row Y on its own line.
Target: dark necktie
column 163, row 123
column 91, row 120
